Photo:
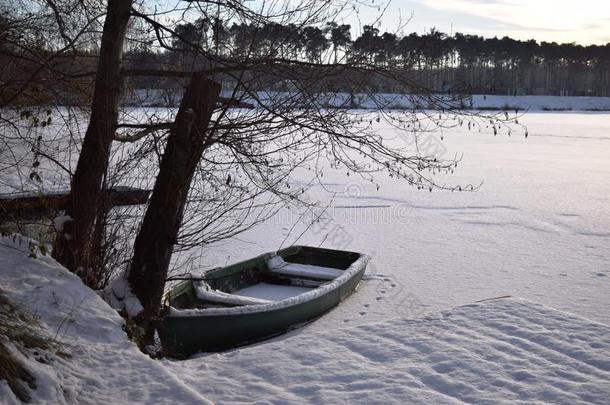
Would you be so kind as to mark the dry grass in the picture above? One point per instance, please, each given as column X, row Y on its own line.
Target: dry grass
column 15, row 374
column 21, row 330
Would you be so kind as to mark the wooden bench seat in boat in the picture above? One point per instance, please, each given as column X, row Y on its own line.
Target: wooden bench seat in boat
column 278, row 266
column 204, row 293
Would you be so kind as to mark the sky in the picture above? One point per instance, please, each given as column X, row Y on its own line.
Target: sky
column 584, row 21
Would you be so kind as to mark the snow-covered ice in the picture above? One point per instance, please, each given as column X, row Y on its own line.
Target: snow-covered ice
column 538, row 228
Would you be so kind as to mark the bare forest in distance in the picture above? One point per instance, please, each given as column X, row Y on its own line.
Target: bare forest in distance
column 458, row 64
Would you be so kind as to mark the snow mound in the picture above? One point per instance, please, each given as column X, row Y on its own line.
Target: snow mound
column 498, row 351
column 120, row 297
column 103, row 365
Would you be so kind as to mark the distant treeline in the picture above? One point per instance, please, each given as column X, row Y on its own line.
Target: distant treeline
column 459, row 64
column 465, row 64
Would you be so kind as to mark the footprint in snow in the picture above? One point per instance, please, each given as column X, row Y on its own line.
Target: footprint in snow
column 596, row 345
column 443, row 368
column 522, row 376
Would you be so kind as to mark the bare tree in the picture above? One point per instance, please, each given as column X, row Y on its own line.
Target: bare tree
column 223, row 169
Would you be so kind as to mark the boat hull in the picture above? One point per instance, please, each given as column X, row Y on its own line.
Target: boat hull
column 183, row 335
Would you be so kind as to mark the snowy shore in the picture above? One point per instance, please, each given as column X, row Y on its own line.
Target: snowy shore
column 503, row 350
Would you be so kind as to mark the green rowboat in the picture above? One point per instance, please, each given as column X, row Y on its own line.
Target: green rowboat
column 257, row 298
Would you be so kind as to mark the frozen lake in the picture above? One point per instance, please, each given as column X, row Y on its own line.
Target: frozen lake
column 538, row 228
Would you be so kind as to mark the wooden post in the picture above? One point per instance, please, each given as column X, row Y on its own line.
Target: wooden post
column 188, row 138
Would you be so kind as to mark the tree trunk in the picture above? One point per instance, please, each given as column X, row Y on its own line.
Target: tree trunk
column 188, row 139
column 81, row 250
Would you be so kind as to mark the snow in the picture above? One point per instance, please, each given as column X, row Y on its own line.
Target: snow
column 60, row 221
column 497, row 351
column 277, row 265
column 263, row 293
column 120, row 297
column 103, row 365
column 538, row 228
column 500, row 351
column 273, row 292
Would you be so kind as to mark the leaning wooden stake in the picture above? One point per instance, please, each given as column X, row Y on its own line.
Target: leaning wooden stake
column 188, row 138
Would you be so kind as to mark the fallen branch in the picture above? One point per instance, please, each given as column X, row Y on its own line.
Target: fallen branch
column 38, row 206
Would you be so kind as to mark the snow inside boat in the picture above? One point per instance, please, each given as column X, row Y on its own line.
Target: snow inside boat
column 257, row 298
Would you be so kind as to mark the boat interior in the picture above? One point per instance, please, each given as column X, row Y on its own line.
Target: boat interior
column 262, row 280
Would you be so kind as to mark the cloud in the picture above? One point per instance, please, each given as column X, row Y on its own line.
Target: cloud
column 543, row 20
column 545, row 14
